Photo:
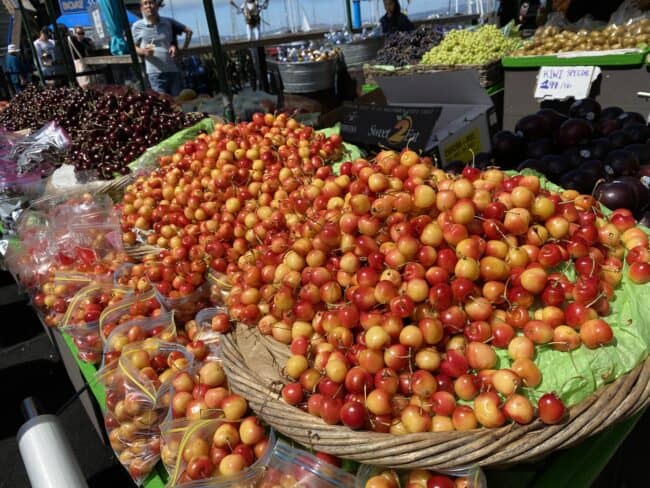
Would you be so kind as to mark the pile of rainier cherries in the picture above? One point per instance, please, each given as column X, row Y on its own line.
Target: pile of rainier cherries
column 393, row 283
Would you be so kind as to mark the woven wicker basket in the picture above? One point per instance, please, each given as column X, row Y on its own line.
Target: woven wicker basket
column 253, row 366
column 489, row 74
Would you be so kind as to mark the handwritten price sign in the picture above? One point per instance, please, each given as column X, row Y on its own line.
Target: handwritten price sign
column 562, row 82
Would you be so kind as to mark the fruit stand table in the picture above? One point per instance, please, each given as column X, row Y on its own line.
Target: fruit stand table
column 578, row 466
column 623, row 76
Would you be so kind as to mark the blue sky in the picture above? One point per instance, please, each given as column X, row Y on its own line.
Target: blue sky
column 328, row 12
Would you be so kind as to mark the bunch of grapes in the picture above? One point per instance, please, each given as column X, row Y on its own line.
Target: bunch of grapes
column 407, row 48
column 472, row 47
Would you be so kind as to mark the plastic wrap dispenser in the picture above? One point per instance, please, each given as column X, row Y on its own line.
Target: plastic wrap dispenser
column 46, row 451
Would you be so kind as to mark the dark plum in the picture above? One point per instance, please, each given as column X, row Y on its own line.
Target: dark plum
column 599, row 148
column 616, row 194
column 611, row 113
column 619, row 139
column 555, row 165
column 507, row 149
column 621, row 163
column 607, row 126
column 587, row 108
column 552, row 119
column 539, row 148
column 574, row 156
column 593, row 167
column 532, row 127
column 574, row 132
column 641, row 192
column 628, row 118
column 641, row 151
column 578, row 179
column 639, row 133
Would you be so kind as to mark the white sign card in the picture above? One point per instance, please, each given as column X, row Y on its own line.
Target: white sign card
column 562, row 82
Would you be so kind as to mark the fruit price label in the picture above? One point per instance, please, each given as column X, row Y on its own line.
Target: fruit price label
column 391, row 126
column 464, row 148
column 562, row 82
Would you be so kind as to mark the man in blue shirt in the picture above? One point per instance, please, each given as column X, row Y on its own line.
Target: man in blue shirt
column 15, row 68
column 155, row 39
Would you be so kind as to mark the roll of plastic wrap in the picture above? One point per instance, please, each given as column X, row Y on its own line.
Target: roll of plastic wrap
column 47, row 454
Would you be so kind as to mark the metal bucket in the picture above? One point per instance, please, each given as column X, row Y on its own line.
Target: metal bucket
column 361, row 52
column 307, row 77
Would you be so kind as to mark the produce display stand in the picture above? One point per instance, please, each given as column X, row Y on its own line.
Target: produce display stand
column 573, row 467
column 623, row 76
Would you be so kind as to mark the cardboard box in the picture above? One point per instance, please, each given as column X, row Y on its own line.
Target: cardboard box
column 445, row 113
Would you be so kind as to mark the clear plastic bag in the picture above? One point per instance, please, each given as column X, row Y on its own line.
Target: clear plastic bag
column 134, row 307
column 189, row 449
column 81, row 319
column 56, row 293
column 42, row 151
column 220, row 287
column 28, row 185
column 7, row 141
column 187, row 306
column 469, row 477
column 208, row 325
column 198, row 393
column 161, row 327
column 135, row 402
column 296, row 468
column 627, row 12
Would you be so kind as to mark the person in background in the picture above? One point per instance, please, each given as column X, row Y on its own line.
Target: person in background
column 82, row 44
column 46, row 52
column 155, row 39
column 15, row 68
column 394, row 20
column 527, row 18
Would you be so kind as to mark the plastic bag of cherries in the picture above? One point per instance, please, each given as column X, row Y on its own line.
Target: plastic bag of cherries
column 208, row 325
column 374, row 476
column 137, row 306
column 161, row 326
column 135, row 403
column 186, row 307
column 290, row 467
column 220, row 287
column 56, row 293
column 81, row 319
column 199, row 392
column 216, row 452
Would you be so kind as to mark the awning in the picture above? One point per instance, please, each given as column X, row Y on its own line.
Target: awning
column 83, row 19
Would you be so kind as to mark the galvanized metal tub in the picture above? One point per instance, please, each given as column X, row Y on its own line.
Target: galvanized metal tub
column 307, row 77
column 360, row 52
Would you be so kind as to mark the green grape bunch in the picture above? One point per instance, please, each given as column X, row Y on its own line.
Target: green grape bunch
column 471, row 47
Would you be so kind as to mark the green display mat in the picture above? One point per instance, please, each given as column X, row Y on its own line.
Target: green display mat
column 575, row 467
column 628, row 59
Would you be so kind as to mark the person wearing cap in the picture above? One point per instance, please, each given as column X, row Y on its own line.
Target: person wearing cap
column 15, row 68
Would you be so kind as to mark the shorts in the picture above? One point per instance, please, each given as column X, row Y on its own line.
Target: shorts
column 169, row 83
